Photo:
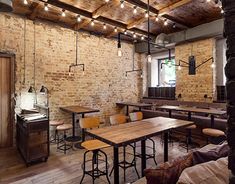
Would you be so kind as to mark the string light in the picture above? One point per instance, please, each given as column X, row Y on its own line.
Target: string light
column 179, row 67
column 79, row 18
column 25, row 2
column 135, row 10
column 213, row 65
column 222, row 11
column 157, row 19
column 115, row 29
column 208, row 0
column 63, row 13
column 134, row 35
column 142, row 37
column 104, row 27
column 46, row 7
column 122, row 4
column 174, row 25
column 106, row 1
column 125, row 32
column 146, row 14
column 92, row 23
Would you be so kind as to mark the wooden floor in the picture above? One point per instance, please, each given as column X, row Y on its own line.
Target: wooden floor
column 66, row 169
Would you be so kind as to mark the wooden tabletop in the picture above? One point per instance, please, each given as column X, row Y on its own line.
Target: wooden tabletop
column 137, row 104
column 192, row 109
column 135, row 131
column 78, row 109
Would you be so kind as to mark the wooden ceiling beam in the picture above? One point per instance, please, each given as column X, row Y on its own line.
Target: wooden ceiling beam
column 113, row 33
column 104, row 8
column 80, row 25
column 87, row 14
column 156, row 12
column 136, row 22
column 35, row 7
column 173, row 6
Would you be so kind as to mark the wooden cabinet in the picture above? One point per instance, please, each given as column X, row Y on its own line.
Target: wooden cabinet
column 32, row 139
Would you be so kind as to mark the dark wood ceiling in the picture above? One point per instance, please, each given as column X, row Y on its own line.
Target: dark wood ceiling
column 180, row 14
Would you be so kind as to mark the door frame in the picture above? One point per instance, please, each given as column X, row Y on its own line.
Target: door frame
column 11, row 56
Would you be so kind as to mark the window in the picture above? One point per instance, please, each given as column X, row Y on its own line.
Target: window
column 166, row 72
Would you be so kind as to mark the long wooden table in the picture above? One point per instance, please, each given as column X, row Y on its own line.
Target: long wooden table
column 77, row 110
column 125, row 134
column 190, row 110
column 127, row 104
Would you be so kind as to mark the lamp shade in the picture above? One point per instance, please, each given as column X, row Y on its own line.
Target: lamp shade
column 6, row 6
column 31, row 89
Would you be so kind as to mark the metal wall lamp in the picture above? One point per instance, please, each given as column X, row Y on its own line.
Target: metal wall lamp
column 33, row 90
column 44, row 90
column 139, row 70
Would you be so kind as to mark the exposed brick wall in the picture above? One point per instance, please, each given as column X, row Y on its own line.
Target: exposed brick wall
column 194, row 87
column 102, row 84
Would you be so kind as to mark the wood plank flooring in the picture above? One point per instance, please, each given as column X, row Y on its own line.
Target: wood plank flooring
column 67, row 169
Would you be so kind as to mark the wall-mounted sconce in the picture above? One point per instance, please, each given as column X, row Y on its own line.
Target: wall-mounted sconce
column 119, row 45
column 33, row 90
column 76, row 63
column 44, row 90
column 179, row 96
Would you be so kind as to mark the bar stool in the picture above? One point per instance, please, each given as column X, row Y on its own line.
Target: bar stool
column 213, row 133
column 64, row 146
column 124, row 164
column 189, row 141
column 95, row 147
column 137, row 116
column 53, row 125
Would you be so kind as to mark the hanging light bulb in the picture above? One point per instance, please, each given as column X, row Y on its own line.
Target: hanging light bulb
column 25, row 2
column 115, row 29
column 126, row 76
column 83, row 72
column 157, row 19
column 179, row 67
column 119, row 46
column 208, row 0
column 165, row 22
column 174, row 26
column 119, row 52
column 146, row 14
column 46, row 7
column 92, row 23
column 135, row 10
column 106, row 1
column 104, row 27
column 125, row 32
column 141, row 75
column 122, row 4
column 142, row 37
column 134, row 35
column 213, row 65
column 222, row 11
column 149, row 58
column 79, row 18
column 63, row 13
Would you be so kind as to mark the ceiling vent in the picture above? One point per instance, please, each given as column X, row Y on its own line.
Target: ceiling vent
column 163, row 40
column 6, row 6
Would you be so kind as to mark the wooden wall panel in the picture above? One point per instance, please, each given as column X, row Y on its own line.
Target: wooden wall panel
column 5, row 103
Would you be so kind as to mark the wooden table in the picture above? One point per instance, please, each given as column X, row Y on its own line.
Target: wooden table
column 212, row 112
column 124, row 134
column 127, row 104
column 77, row 110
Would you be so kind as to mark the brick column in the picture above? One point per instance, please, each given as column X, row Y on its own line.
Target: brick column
column 229, row 33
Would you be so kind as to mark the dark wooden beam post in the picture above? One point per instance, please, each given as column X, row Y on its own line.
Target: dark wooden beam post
column 229, row 33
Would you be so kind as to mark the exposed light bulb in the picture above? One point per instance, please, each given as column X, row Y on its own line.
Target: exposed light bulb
column 46, row 7
column 115, row 29
column 134, row 35
column 161, row 69
column 92, row 23
column 119, row 52
column 165, row 22
column 79, row 18
column 213, row 65
column 83, row 72
column 126, row 76
column 149, row 58
column 146, row 14
column 104, row 27
column 222, row 11
column 174, row 26
column 135, row 10
column 25, row 2
column 157, row 19
column 122, row 4
column 141, row 76
column 125, row 32
column 208, row 0
column 106, row 1
column 70, row 73
column 179, row 67
column 63, row 13
column 142, row 37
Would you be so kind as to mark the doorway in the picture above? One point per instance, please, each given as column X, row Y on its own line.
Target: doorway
column 6, row 99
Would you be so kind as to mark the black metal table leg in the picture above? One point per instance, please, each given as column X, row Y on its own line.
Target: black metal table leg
column 127, row 110
column 139, row 108
column 78, row 145
column 212, row 121
column 143, row 157
column 116, row 165
column 189, row 116
column 165, row 146
column 73, row 138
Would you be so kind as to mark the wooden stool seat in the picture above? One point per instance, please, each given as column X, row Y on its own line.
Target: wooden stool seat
column 213, row 132
column 56, row 123
column 64, row 127
column 94, row 145
column 191, row 127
